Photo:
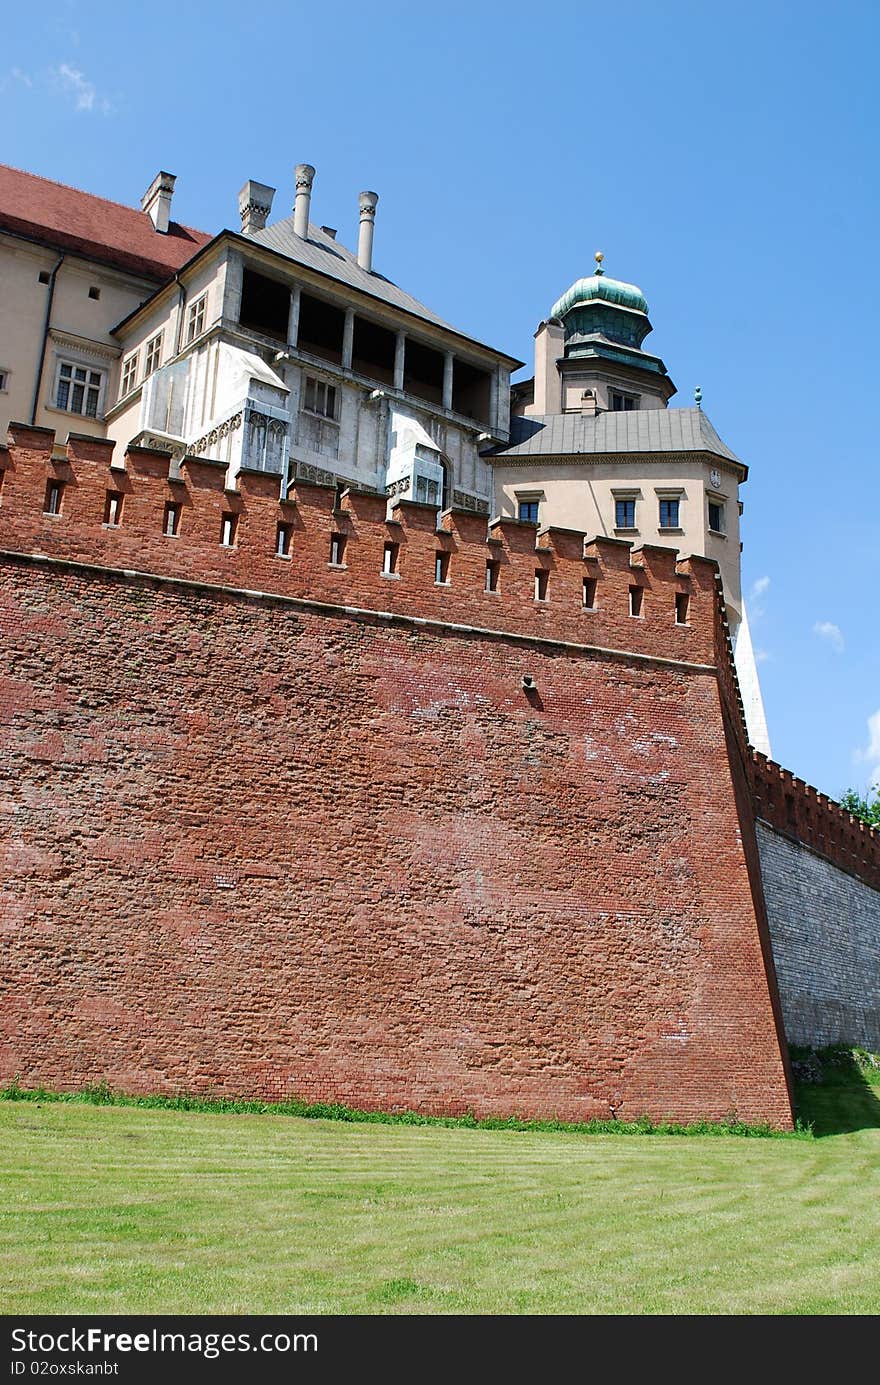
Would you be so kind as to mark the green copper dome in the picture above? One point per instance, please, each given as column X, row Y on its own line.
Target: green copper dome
column 600, row 286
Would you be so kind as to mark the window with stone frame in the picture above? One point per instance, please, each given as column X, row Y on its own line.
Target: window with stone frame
column 79, row 389
column 670, row 506
column 625, row 512
column 153, row 354
column 129, row 374
column 319, row 397
column 195, row 321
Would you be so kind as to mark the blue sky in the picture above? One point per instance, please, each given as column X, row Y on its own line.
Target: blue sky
column 722, row 155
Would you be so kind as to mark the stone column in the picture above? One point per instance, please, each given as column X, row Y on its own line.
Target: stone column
column 347, row 338
column 447, row 379
column 293, row 316
column 232, row 280
column 399, row 356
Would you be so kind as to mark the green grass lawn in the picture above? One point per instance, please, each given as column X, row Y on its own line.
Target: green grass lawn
column 118, row 1209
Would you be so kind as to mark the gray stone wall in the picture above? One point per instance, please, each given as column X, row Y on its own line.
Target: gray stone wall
column 825, row 929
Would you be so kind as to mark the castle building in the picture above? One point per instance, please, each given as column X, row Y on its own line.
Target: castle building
column 594, row 445
column 277, row 349
column 72, row 266
column 286, row 353
column 364, row 743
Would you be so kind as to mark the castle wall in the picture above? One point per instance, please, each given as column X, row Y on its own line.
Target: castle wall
column 821, row 873
column 279, row 827
column 825, row 926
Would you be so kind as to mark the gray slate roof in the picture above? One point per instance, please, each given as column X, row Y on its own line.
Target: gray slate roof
column 640, row 430
column 327, row 256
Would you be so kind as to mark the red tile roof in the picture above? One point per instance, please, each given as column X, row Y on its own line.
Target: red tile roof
column 68, row 219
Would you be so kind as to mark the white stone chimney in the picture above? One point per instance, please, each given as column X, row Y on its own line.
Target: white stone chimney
column 254, row 206
column 156, row 201
column 367, row 203
column 305, row 176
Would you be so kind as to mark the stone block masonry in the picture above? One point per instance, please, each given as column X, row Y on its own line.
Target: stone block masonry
column 276, row 826
column 820, row 868
column 825, row 927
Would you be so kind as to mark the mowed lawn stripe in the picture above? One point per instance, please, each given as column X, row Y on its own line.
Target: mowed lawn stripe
column 117, row 1209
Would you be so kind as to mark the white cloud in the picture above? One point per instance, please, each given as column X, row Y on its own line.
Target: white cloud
column 871, row 754
column 759, row 589
column 827, row 630
column 761, row 656
column 84, row 92
column 15, row 74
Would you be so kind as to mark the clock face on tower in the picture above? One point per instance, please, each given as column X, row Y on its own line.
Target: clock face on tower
column 715, row 479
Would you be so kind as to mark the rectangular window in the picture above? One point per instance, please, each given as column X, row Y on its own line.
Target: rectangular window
column 195, row 321
column 54, row 493
column 113, row 508
column 228, row 527
column 129, row 374
column 716, row 516
column 635, row 601
column 625, row 514
column 337, row 549
column 171, row 521
column 621, row 403
column 441, row 568
column 427, row 491
column 44, row 276
column 389, row 559
column 94, row 293
column 541, row 576
column 153, row 357
column 283, row 537
column 669, row 513
column 78, row 389
column 590, row 586
column 493, row 570
column 682, row 601
column 3, row 377
column 528, row 511
column 319, row 398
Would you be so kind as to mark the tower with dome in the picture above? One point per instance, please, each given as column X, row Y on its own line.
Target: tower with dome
column 594, row 446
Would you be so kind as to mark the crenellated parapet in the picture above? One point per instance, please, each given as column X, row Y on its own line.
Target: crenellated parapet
column 143, row 514
column 801, row 812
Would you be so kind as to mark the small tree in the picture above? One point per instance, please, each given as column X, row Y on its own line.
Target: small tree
column 863, row 805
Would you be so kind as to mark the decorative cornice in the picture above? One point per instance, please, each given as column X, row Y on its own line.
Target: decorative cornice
column 615, row 458
column 103, row 350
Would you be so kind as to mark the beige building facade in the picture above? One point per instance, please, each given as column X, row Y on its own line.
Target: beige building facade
column 72, row 266
column 594, row 447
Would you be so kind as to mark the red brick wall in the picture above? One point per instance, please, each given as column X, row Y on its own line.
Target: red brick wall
column 254, row 844
column 803, row 813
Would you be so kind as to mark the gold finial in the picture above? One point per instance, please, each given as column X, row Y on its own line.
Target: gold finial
column 599, row 257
